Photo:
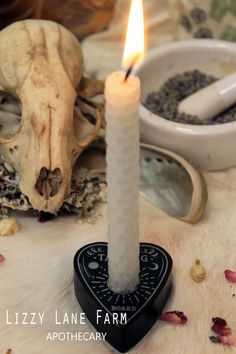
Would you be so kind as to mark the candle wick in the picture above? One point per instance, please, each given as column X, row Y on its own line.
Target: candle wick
column 129, row 71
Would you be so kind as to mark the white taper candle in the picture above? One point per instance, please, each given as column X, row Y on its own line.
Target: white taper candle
column 122, row 137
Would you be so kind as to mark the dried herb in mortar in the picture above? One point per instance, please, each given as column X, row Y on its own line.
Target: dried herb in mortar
column 165, row 101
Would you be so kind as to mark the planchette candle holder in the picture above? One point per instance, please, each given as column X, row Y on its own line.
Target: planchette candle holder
column 125, row 318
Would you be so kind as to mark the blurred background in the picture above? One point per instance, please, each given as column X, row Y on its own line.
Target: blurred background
column 82, row 17
column 104, row 22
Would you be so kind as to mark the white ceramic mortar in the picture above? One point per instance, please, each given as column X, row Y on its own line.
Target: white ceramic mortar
column 210, row 147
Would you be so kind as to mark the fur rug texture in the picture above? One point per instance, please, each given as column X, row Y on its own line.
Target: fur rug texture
column 37, row 275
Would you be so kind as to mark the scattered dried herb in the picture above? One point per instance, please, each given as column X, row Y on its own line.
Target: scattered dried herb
column 165, row 101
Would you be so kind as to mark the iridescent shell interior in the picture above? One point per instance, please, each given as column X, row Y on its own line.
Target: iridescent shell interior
column 165, row 182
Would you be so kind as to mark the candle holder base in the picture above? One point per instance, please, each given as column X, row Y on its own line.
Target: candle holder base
column 125, row 318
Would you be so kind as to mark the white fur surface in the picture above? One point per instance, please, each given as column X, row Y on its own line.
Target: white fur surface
column 37, row 276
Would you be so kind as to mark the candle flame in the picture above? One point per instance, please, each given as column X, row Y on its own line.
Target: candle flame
column 134, row 44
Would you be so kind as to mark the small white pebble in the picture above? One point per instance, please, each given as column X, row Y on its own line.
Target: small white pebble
column 9, row 227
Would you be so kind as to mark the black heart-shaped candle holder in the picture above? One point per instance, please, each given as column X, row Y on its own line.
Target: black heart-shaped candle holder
column 125, row 318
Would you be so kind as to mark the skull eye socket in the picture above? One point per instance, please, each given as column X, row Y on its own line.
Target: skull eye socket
column 10, row 115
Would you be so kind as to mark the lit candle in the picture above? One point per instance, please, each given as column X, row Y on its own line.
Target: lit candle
column 122, row 136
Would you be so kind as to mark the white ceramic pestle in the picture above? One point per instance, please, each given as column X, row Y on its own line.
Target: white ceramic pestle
column 211, row 100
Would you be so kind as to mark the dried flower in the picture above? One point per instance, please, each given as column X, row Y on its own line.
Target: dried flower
column 227, row 340
column 230, row 276
column 2, row 258
column 219, row 327
column 224, row 340
column 220, row 321
column 175, row 317
column 9, row 227
column 197, row 271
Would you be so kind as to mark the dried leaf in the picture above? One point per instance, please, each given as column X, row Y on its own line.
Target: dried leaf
column 214, row 339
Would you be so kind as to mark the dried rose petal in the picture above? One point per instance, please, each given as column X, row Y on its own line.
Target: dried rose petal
column 219, row 320
column 175, row 317
column 219, row 326
column 2, row 258
column 230, row 276
column 227, row 340
column 222, row 331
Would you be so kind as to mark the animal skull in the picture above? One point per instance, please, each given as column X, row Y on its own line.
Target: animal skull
column 41, row 64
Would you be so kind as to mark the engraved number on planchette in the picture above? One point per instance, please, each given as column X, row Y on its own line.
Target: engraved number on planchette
column 92, row 264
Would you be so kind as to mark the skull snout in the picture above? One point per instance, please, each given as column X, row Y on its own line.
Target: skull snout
column 49, row 182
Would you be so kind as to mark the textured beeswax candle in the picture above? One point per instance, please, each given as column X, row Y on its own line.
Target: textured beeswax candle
column 122, row 136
